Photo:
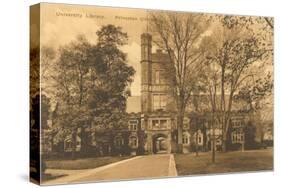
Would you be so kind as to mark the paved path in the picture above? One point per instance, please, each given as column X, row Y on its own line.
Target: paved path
column 150, row 166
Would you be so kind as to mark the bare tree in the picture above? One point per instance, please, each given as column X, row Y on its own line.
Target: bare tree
column 179, row 34
column 238, row 48
column 211, row 79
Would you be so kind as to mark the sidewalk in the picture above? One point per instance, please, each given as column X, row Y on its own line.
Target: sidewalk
column 140, row 167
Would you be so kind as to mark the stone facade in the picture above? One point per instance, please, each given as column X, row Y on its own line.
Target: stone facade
column 153, row 129
column 158, row 110
column 158, row 119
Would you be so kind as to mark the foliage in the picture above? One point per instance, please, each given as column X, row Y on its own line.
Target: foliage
column 92, row 82
column 45, row 111
column 237, row 51
column 34, row 74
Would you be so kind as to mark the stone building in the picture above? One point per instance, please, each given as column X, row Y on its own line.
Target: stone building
column 152, row 117
column 157, row 107
column 158, row 110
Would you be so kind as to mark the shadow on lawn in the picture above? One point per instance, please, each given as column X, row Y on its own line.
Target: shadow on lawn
column 48, row 176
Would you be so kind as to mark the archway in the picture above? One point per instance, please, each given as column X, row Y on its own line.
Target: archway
column 160, row 144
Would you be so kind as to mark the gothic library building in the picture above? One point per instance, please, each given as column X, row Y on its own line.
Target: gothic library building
column 152, row 126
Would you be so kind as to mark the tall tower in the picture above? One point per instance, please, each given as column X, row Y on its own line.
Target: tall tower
column 146, row 48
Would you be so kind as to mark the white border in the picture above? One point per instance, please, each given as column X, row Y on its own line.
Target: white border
column 14, row 81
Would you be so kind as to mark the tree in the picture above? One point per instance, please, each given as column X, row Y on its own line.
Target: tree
column 179, row 35
column 73, row 83
column 92, row 84
column 238, row 48
column 256, row 92
column 113, row 75
column 210, row 77
column 48, row 56
column 258, row 98
column 34, row 74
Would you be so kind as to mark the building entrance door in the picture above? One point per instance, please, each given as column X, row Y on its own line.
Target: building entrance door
column 160, row 144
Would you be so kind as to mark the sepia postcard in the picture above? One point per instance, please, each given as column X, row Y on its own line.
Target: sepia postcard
column 126, row 94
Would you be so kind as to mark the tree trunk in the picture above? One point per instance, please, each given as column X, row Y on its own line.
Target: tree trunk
column 180, row 146
column 213, row 140
column 224, row 137
column 180, row 130
column 225, row 134
column 196, row 142
column 223, row 108
column 227, row 118
column 74, row 143
column 84, row 141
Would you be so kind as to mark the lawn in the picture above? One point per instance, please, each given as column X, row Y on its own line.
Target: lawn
column 189, row 164
column 79, row 164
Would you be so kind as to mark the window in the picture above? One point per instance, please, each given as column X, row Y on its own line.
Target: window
column 119, row 141
column 133, row 141
column 159, row 77
column 199, row 139
column 133, row 125
column 156, row 123
column 185, row 139
column 237, row 137
column 159, row 101
column 163, row 123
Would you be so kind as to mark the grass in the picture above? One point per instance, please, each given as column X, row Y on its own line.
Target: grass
column 189, row 164
column 79, row 164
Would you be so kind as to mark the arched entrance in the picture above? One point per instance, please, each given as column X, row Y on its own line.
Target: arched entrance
column 160, row 144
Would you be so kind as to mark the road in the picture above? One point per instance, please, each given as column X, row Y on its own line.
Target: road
column 141, row 167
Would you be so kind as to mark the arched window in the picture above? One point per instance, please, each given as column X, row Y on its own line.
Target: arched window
column 186, row 138
column 200, row 139
column 199, row 136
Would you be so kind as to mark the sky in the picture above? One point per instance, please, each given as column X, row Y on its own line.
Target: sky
column 60, row 24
